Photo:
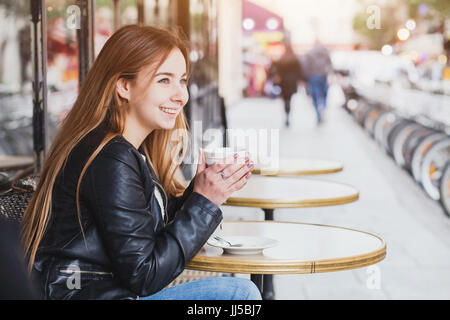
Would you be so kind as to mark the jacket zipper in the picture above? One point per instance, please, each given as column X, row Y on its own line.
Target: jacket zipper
column 70, row 271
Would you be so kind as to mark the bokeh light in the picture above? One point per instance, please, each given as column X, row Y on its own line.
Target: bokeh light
column 386, row 50
column 403, row 34
column 248, row 24
column 410, row 24
column 272, row 24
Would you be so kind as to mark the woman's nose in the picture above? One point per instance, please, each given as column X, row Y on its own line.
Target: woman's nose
column 180, row 94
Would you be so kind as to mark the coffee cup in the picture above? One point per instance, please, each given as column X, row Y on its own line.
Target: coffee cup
column 220, row 154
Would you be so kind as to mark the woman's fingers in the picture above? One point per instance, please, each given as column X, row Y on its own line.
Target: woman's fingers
column 219, row 180
column 223, row 163
column 229, row 165
column 235, row 167
column 201, row 161
column 241, row 172
column 239, row 184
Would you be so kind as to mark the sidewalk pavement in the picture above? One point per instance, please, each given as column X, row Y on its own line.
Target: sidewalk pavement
column 391, row 205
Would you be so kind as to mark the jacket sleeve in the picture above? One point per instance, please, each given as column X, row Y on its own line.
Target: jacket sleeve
column 144, row 260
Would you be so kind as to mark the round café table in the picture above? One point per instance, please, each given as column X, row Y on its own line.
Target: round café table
column 269, row 193
column 298, row 166
column 287, row 192
column 302, row 248
column 10, row 163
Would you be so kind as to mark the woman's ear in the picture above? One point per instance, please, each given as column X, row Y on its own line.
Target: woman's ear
column 123, row 88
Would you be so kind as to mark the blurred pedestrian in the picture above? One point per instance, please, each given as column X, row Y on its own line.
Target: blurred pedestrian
column 319, row 65
column 304, row 64
column 286, row 73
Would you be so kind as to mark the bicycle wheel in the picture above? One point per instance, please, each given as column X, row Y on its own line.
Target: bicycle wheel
column 411, row 143
column 388, row 130
column 367, row 112
column 445, row 189
column 383, row 121
column 420, row 151
column 393, row 134
column 432, row 166
column 398, row 142
column 371, row 118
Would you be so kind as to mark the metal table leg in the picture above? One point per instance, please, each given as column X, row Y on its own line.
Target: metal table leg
column 268, row 292
column 268, row 214
column 258, row 280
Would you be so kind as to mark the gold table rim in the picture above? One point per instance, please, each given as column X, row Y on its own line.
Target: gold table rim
column 279, row 203
column 233, row 265
column 283, row 172
column 292, row 203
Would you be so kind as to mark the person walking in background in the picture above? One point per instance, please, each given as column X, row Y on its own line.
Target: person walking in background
column 319, row 65
column 286, row 73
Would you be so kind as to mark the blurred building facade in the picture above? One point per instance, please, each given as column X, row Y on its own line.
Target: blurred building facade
column 64, row 56
column 231, row 81
column 328, row 20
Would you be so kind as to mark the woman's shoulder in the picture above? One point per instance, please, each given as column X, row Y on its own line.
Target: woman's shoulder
column 120, row 149
column 119, row 145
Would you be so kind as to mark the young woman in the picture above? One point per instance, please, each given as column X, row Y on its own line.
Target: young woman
column 109, row 220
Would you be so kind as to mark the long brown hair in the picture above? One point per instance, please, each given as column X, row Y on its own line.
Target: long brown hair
column 127, row 51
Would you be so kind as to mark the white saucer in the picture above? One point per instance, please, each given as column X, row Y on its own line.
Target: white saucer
column 251, row 245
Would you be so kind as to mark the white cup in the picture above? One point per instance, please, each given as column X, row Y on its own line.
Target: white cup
column 214, row 155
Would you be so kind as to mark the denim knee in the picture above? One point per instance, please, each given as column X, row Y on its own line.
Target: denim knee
column 217, row 288
column 246, row 290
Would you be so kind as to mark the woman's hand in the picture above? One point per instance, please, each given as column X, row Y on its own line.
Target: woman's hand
column 218, row 181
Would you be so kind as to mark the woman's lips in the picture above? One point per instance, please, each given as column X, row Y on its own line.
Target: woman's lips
column 169, row 111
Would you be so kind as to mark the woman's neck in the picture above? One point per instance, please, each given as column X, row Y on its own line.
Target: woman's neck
column 134, row 133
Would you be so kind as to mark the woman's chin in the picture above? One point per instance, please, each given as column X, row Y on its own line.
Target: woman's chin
column 167, row 125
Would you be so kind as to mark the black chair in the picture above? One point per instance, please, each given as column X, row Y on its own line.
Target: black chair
column 15, row 280
column 14, row 201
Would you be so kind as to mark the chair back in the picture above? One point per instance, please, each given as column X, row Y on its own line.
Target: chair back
column 13, row 202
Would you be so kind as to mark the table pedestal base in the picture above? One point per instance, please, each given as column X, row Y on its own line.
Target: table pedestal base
column 267, row 284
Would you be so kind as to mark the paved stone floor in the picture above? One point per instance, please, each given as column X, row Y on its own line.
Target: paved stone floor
column 391, row 205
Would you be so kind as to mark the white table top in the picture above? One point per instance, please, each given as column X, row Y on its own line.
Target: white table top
column 302, row 248
column 291, row 192
column 298, row 166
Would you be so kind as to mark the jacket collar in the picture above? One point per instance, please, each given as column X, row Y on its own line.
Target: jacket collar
column 102, row 129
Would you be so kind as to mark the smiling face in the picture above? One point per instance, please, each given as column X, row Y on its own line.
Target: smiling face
column 155, row 104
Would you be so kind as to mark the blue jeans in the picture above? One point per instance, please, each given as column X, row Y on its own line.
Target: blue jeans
column 318, row 87
column 218, row 288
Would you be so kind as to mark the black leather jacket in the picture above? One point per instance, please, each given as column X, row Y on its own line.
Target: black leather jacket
column 129, row 250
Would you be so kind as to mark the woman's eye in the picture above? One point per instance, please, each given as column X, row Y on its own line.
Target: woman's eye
column 165, row 80
column 184, row 81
